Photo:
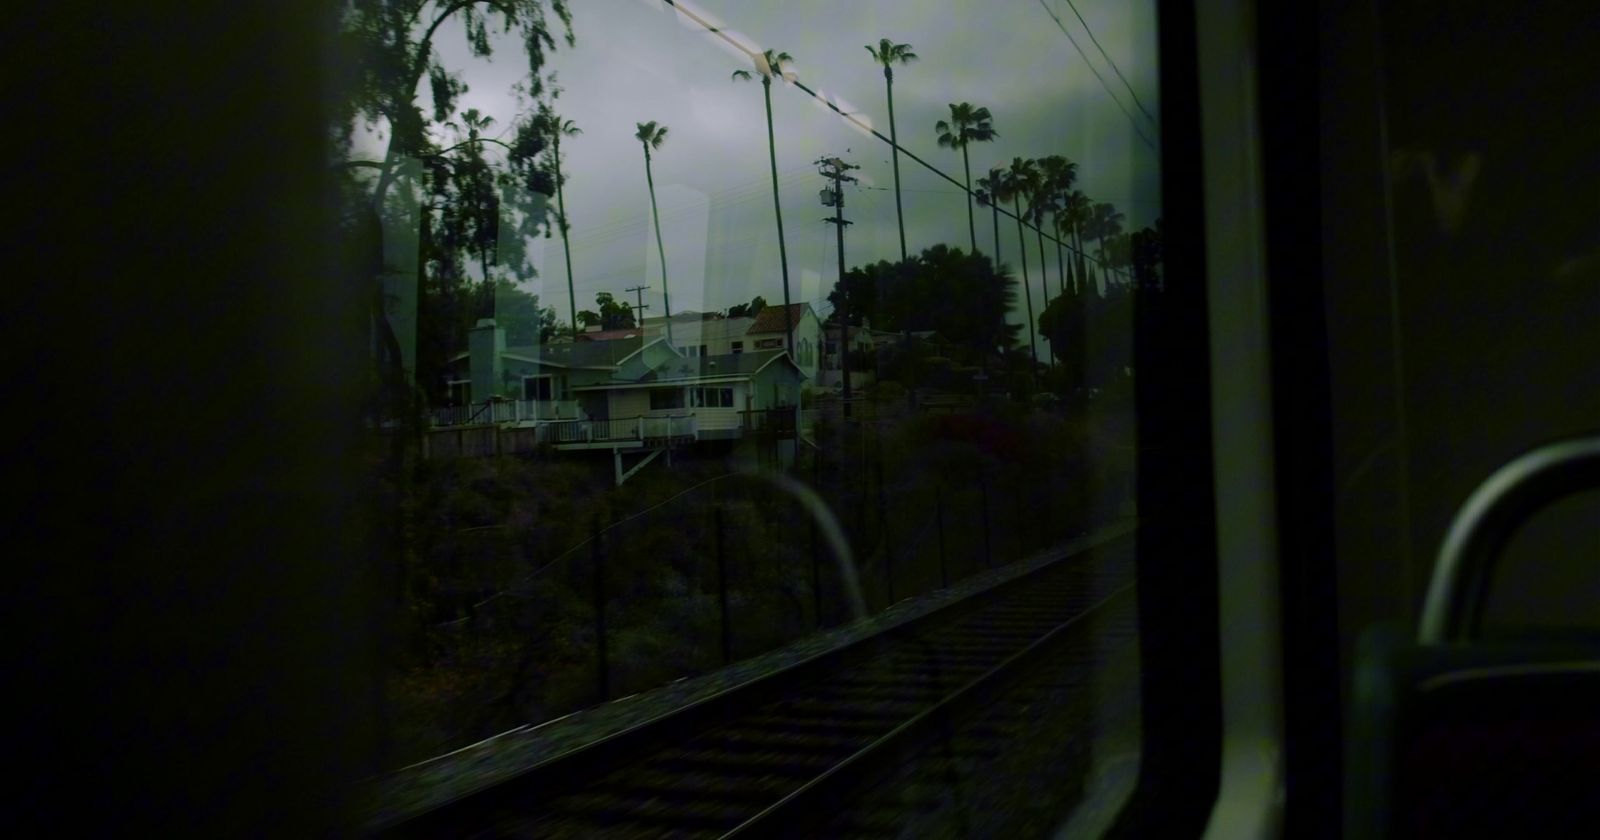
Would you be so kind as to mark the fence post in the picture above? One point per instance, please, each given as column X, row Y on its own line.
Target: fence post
column 938, row 519
column 597, row 553
column 722, row 586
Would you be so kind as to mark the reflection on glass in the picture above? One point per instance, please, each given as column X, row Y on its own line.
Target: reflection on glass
column 893, row 369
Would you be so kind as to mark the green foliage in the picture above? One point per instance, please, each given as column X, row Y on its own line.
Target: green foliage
column 959, row 295
column 748, row 310
column 614, row 314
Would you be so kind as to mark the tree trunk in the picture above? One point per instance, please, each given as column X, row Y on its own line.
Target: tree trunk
column 894, row 156
column 1044, row 283
column 666, row 303
column 566, row 247
column 972, row 225
column 1027, row 286
column 777, row 209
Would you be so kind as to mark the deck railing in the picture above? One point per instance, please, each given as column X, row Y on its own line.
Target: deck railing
column 641, row 429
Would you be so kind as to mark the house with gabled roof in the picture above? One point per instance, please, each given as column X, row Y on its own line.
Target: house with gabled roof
column 769, row 328
column 628, row 395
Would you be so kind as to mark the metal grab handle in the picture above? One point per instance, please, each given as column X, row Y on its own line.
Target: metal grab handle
column 1483, row 526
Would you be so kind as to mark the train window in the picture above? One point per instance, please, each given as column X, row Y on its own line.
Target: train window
column 887, row 555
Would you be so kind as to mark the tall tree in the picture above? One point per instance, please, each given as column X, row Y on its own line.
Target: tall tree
column 1057, row 175
column 1106, row 221
column 888, row 54
column 614, row 314
column 552, row 125
column 768, row 64
column 989, row 188
column 386, row 50
column 967, row 125
column 1074, row 218
column 651, row 136
column 1018, row 183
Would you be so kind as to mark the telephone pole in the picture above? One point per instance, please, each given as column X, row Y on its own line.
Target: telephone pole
column 835, row 169
column 638, row 294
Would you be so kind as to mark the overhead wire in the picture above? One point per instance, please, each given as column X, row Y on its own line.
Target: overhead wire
column 1114, row 68
column 717, row 31
column 1132, row 123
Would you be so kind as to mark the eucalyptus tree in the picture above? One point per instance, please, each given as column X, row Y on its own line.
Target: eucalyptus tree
column 1018, row 183
column 967, row 125
column 768, row 64
column 888, row 54
column 387, row 49
column 551, row 125
column 651, row 136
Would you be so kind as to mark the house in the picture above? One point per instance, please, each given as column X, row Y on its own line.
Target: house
column 861, row 339
column 629, row 395
column 769, row 329
column 696, row 334
column 720, row 393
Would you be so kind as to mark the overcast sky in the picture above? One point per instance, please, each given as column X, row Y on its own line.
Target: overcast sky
column 638, row 60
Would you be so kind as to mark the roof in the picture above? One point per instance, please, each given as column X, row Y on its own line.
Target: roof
column 611, row 335
column 729, row 367
column 770, row 319
column 730, row 364
column 580, row 354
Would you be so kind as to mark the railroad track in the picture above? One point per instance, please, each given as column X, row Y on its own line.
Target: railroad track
column 779, row 754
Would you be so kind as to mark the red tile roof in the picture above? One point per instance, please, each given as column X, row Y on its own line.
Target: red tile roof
column 770, row 318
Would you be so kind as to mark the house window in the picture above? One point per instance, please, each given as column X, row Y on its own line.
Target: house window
column 460, row 392
column 711, row 397
column 738, row 347
column 769, row 343
column 665, row 398
column 702, row 349
column 691, row 351
column 536, row 388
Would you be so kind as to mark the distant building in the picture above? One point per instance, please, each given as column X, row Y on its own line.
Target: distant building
column 768, row 333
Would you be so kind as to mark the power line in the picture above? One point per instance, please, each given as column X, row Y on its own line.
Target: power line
column 1096, row 41
column 903, row 150
column 1131, row 121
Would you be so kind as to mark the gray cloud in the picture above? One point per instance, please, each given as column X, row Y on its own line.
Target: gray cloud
column 636, row 60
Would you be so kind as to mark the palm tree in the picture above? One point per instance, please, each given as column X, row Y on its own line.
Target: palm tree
column 1041, row 200
column 1107, row 223
column 989, row 189
column 651, row 136
column 888, row 53
column 1019, row 181
column 1075, row 217
column 770, row 64
column 1058, row 174
column 555, row 127
column 967, row 125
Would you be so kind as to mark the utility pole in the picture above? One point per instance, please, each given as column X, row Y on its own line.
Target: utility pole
column 638, row 294
column 835, row 169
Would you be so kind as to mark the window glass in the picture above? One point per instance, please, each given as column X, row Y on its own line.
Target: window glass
column 968, row 208
column 536, row 388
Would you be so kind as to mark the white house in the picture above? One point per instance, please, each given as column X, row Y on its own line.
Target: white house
column 768, row 332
